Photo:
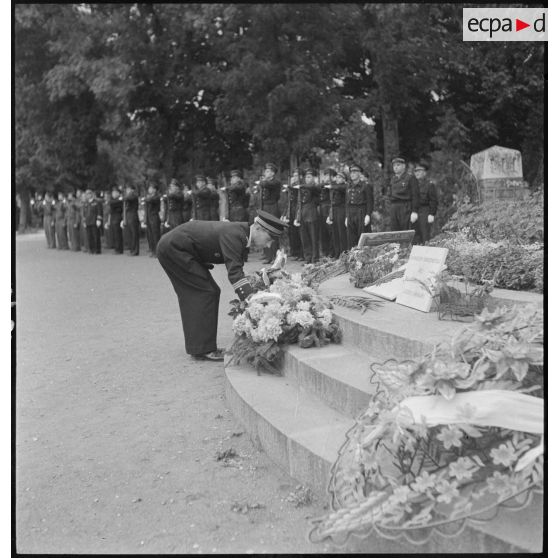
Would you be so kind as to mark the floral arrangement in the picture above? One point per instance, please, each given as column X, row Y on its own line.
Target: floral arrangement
column 446, row 438
column 370, row 263
column 288, row 311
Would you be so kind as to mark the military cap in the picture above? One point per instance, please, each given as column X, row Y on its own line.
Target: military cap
column 355, row 167
column 271, row 166
column 236, row 173
column 273, row 225
column 330, row 171
column 398, row 159
column 310, row 170
column 211, row 180
column 200, row 177
column 421, row 166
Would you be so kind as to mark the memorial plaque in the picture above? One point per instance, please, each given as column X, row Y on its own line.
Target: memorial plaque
column 499, row 171
column 404, row 238
column 389, row 286
column 424, row 262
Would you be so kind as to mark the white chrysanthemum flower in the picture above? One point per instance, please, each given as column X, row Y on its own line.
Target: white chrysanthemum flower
column 325, row 317
column 255, row 310
column 303, row 305
column 300, row 317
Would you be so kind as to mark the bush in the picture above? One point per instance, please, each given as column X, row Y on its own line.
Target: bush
column 512, row 266
column 517, row 222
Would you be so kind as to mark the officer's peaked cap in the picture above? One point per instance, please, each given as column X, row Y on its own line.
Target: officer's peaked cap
column 236, row 172
column 270, row 223
column 398, row 159
column 271, row 166
column 355, row 167
column 200, row 177
column 422, row 165
column 310, row 170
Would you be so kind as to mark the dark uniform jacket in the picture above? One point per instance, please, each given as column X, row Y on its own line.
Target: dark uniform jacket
column 132, row 204
column 217, row 242
column 404, row 188
column 338, row 192
column 60, row 211
column 187, row 207
column 92, row 210
column 325, row 202
column 238, row 200
column 116, row 208
column 360, row 194
column 309, row 198
column 73, row 214
column 152, row 207
column 428, row 196
column 292, row 201
column 270, row 192
column 49, row 208
column 203, row 201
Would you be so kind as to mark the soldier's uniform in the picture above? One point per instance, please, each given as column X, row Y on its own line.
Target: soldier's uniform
column 49, row 207
column 107, row 231
column 61, row 224
column 116, row 205
column 359, row 202
column 337, row 217
column 186, row 206
column 295, row 243
column 73, row 220
column 202, row 203
column 93, row 219
column 213, row 200
column 152, row 220
column 237, row 200
column 175, row 215
column 186, row 254
column 326, row 231
column 254, row 197
column 308, row 219
column 270, row 193
column 404, row 198
column 428, row 205
column 131, row 220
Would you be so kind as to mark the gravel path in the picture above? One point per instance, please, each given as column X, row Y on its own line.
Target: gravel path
column 118, row 430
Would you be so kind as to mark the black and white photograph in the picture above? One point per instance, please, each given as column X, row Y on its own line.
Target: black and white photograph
column 279, row 278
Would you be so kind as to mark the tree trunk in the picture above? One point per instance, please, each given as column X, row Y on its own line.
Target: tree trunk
column 391, row 135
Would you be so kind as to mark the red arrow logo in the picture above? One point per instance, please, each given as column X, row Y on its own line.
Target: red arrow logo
column 519, row 25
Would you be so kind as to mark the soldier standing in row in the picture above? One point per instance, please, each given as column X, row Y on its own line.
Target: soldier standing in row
column 109, row 243
column 213, row 198
column 92, row 221
column 152, row 221
column 325, row 206
column 174, row 206
column 131, row 218
column 202, row 199
column 289, row 217
column 61, row 225
column 337, row 213
column 186, row 205
column 270, row 192
column 307, row 217
column 116, row 209
column 73, row 220
column 49, row 208
column 237, row 199
column 404, row 196
column 428, row 204
column 359, row 205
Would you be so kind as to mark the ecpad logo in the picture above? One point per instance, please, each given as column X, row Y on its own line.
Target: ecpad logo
column 505, row 24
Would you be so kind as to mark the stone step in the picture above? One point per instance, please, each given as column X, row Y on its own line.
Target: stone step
column 302, row 434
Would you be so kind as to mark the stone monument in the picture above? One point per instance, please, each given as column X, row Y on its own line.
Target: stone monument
column 499, row 172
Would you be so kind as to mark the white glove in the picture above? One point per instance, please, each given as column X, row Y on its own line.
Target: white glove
column 143, row 226
column 329, row 221
column 431, row 219
column 376, row 216
column 122, row 225
column 346, row 222
column 366, row 220
column 297, row 187
column 99, row 223
column 225, row 220
column 327, row 186
column 106, row 226
column 296, row 223
column 414, row 217
column 167, row 226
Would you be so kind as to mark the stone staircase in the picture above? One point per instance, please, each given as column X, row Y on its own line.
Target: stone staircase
column 300, row 419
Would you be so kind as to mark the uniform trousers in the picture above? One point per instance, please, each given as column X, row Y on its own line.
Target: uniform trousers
column 238, row 214
column 74, row 233
column 422, row 226
column 108, row 237
column 62, row 234
column 153, row 232
column 116, row 231
column 94, row 239
column 326, row 231
column 400, row 215
column 295, row 243
column 49, row 232
column 309, row 234
column 175, row 218
column 271, row 250
column 355, row 224
column 84, row 240
column 198, row 293
column 339, row 230
column 133, row 226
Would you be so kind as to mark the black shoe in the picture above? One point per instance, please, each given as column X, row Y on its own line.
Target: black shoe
column 214, row 356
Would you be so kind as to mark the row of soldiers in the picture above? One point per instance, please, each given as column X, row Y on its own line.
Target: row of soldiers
column 325, row 216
